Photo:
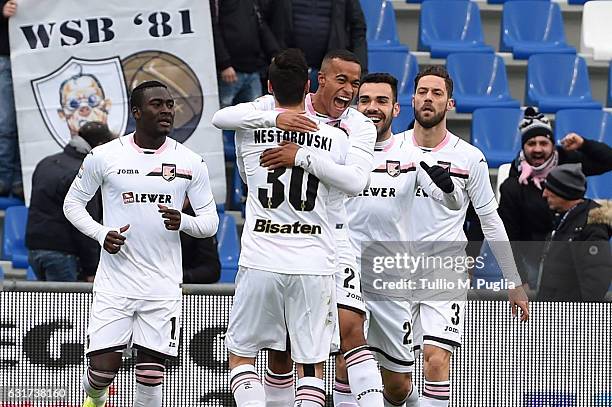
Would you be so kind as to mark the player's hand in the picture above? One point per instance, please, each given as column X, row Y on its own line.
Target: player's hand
column 229, row 75
column 293, row 121
column 440, row 177
column 172, row 217
column 518, row 299
column 282, row 156
column 114, row 240
column 9, row 9
column 572, row 141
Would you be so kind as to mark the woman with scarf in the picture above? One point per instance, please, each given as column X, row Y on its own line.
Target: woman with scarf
column 524, row 211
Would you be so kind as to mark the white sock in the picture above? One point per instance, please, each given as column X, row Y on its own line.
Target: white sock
column 246, row 387
column 413, row 398
column 148, row 396
column 92, row 384
column 279, row 389
column 364, row 377
column 342, row 394
column 310, row 392
column 435, row 394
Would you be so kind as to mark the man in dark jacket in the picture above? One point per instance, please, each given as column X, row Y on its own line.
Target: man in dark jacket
column 524, row 211
column 244, row 45
column 57, row 250
column 576, row 263
column 319, row 26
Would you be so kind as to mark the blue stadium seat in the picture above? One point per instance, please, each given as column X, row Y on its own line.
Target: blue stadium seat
column 404, row 66
column 229, row 145
column 505, row 1
column 1, row 273
column 550, row 399
column 495, row 132
column 532, row 27
column 220, row 208
column 600, row 186
column 577, row 1
column 480, row 80
column 589, row 123
column 558, row 81
column 30, row 274
column 490, row 272
column 237, row 192
column 609, row 104
column 13, row 244
column 228, row 247
column 8, row 201
column 381, row 25
column 448, row 26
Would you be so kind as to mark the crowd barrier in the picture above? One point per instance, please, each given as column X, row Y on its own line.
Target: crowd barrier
column 561, row 357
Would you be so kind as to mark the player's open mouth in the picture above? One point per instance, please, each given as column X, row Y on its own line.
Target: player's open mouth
column 341, row 102
column 375, row 119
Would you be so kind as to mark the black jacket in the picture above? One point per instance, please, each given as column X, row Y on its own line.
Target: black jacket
column 577, row 265
column 348, row 29
column 241, row 36
column 4, row 37
column 200, row 258
column 48, row 228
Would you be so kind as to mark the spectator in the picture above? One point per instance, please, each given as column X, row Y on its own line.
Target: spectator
column 576, row 263
column 57, row 250
column 319, row 26
column 244, row 46
column 10, row 162
column 522, row 208
column 200, row 257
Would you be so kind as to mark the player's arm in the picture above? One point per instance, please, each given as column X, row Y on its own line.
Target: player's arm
column 206, row 221
column 81, row 191
column 481, row 194
column 260, row 114
column 438, row 184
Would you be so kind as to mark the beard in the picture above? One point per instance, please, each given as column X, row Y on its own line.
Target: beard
column 384, row 128
column 431, row 122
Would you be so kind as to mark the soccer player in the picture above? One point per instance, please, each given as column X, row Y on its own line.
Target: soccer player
column 287, row 218
column 144, row 178
column 438, row 325
column 338, row 83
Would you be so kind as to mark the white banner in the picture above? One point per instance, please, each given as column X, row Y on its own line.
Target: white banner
column 74, row 62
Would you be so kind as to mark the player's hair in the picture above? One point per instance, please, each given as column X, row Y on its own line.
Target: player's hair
column 95, row 133
column 137, row 96
column 381, row 77
column 288, row 74
column 342, row 54
column 436, row 70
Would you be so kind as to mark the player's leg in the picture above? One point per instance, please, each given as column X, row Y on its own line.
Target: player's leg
column 157, row 328
column 311, row 333
column 257, row 321
column 390, row 338
column 278, row 381
column 343, row 397
column 361, row 368
column 101, row 372
column 442, row 324
column 149, row 371
column 108, row 334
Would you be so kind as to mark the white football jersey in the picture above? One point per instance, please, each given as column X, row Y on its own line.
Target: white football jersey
column 133, row 182
column 430, row 221
column 287, row 229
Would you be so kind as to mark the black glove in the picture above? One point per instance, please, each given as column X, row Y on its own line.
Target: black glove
column 440, row 177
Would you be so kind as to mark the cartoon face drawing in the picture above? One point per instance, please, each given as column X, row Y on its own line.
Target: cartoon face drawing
column 82, row 100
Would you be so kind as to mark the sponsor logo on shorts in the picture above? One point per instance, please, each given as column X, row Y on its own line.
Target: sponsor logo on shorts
column 297, row 228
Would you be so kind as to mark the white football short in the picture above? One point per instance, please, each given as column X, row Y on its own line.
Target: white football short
column 438, row 323
column 389, row 333
column 269, row 306
column 117, row 323
column 348, row 289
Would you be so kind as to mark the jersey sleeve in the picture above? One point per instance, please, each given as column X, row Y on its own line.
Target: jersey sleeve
column 338, row 219
column 362, row 135
column 206, row 221
column 89, row 178
column 243, row 116
column 479, row 186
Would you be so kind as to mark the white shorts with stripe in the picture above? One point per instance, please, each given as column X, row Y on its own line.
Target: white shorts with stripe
column 348, row 288
column 270, row 306
column 117, row 323
column 438, row 323
column 389, row 333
